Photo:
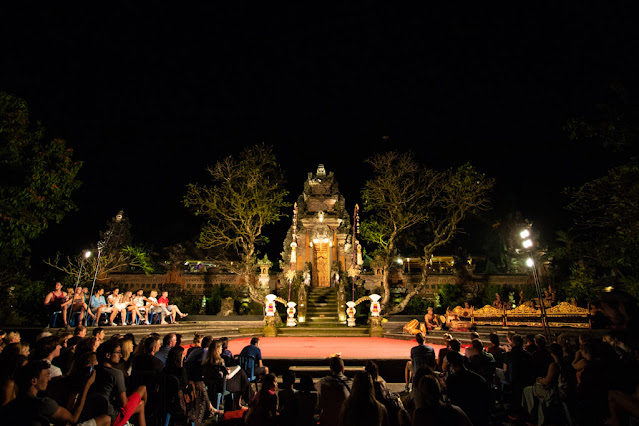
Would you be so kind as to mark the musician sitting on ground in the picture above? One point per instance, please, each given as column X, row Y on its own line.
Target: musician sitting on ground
column 431, row 319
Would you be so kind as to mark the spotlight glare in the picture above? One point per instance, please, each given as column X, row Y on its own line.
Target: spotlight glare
column 530, row 263
column 87, row 254
column 528, row 243
column 524, row 234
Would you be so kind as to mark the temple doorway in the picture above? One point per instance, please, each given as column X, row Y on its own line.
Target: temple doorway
column 321, row 265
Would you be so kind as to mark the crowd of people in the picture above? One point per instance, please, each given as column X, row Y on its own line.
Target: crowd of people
column 131, row 308
column 72, row 378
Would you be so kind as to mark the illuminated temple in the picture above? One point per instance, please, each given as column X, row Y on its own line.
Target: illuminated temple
column 320, row 236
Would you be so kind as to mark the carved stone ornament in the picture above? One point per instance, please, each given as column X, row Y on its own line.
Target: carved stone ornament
column 566, row 309
column 523, row 310
column 488, row 311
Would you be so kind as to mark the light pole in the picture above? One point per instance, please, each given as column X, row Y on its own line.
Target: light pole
column 85, row 255
column 527, row 243
column 101, row 245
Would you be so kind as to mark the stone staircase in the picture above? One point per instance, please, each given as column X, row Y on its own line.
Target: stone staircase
column 322, row 318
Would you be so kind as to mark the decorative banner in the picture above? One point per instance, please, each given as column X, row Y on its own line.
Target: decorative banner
column 375, row 305
column 290, row 313
column 269, row 308
column 350, row 311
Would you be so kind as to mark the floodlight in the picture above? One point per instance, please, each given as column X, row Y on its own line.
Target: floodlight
column 527, row 243
column 87, row 254
column 400, row 261
column 524, row 234
column 530, row 263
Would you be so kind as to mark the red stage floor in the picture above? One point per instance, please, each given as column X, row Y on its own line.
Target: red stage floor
column 323, row 347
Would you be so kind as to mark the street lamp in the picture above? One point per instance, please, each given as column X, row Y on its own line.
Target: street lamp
column 527, row 243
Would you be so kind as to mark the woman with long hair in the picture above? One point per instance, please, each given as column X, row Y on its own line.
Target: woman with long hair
column 263, row 407
column 432, row 410
column 361, row 407
column 132, row 307
column 214, row 370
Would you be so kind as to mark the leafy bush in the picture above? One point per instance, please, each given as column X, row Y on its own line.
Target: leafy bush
column 451, row 295
column 418, row 306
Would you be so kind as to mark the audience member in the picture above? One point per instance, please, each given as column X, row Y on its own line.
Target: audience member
column 287, row 400
column 28, row 408
column 361, row 407
column 47, row 349
column 109, row 390
column 254, row 350
column 196, row 343
column 153, row 307
column 333, row 391
column 518, row 369
column 495, row 349
column 480, row 361
column 420, row 355
column 306, row 399
column 542, row 357
column 468, row 390
column 58, row 301
column 263, row 406
column 169, row 341
column 431, row 410
column 98, row 333
column 548, row 390
column 530, row 343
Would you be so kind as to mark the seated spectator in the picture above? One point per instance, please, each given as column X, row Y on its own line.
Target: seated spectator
column 153, row 307
column 443, row 351
column 196, row 343
column 455, row 346
column 566, row 343
column 98, row 305
column 361, row 407
column 99, row 334
column 468, row 390
column 333, row 391
column 541, row 357
column 88, row 344
column 263, row 406
column 254, row 350
column 67, row 355
column 214, row 370
column 583, row 357
column 28, row 407
column 146, row 364
column 131, row 307
column 193, row 362
column 495, row 349
column 420, row 355
column 79, row 303
column 140, row 303
column 118, row 306
column 530, row 345
column 109, row 390
column 168, row 343
column 548, row 390
column 200, row 405
column 226, row 353
column 480, row 361
column 80, row 331
column 47, row 349
column 11, row 337
column 518, row 369
column 173, row 309
column 306, row 399
column 67, row 389
column 10, row 362
column 432, row 410
column 287, row 400
column 57, row 301
column 379, row 384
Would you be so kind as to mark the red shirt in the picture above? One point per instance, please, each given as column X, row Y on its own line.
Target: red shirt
column 163, row 300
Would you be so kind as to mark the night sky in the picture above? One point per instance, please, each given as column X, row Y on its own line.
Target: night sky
column 148, row 96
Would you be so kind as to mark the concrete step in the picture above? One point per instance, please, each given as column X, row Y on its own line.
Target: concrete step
column 344, row 331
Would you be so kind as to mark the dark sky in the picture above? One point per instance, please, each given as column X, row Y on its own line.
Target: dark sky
column 148, row 96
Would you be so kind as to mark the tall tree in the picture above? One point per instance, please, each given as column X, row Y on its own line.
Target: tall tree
column 247, row 193
column 396, row 199
column 405, row 196
column 37, row 178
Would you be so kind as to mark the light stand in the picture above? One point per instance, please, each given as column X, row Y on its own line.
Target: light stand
column 85, row 255
column 530, row 262
column 101, row 245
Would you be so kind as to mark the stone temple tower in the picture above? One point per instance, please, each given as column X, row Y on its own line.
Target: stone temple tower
column 320, row 234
